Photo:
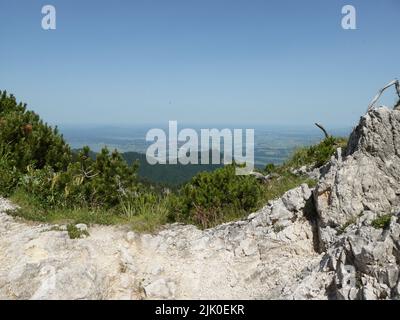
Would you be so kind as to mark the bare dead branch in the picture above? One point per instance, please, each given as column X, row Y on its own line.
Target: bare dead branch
column 397, row 106
column 261, row 177
column 323, row 129
column 379, row 94
column 88, row 174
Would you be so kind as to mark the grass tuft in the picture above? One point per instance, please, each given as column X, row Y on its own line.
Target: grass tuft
column 382, row 222
column 75, row 233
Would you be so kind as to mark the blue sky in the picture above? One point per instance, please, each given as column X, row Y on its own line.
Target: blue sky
column 199, row 61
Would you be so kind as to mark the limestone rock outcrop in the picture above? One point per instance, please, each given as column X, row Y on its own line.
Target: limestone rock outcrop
column 367, row 175
column 361, row 186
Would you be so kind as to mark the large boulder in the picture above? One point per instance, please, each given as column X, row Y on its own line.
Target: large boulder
column 367, row 176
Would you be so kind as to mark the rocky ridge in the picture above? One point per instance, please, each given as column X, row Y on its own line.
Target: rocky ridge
column 319, row 243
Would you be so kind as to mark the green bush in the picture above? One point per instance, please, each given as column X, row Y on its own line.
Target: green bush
column 30, row 141
column 316, row 155
column 9, row 175
column 35, row 158
column 212, row 197
column 86, row 182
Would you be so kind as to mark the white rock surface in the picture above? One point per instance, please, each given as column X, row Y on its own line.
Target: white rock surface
column 368, row 176
column 241, row 260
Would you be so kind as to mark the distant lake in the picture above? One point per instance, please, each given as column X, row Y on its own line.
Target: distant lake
column 272, row 144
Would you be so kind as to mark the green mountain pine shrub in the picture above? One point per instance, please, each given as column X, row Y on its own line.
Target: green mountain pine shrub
column 35, row 158
column 210, row 197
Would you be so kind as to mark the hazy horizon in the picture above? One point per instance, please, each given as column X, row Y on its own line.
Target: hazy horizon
column 271, row 145
column 206, row 125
